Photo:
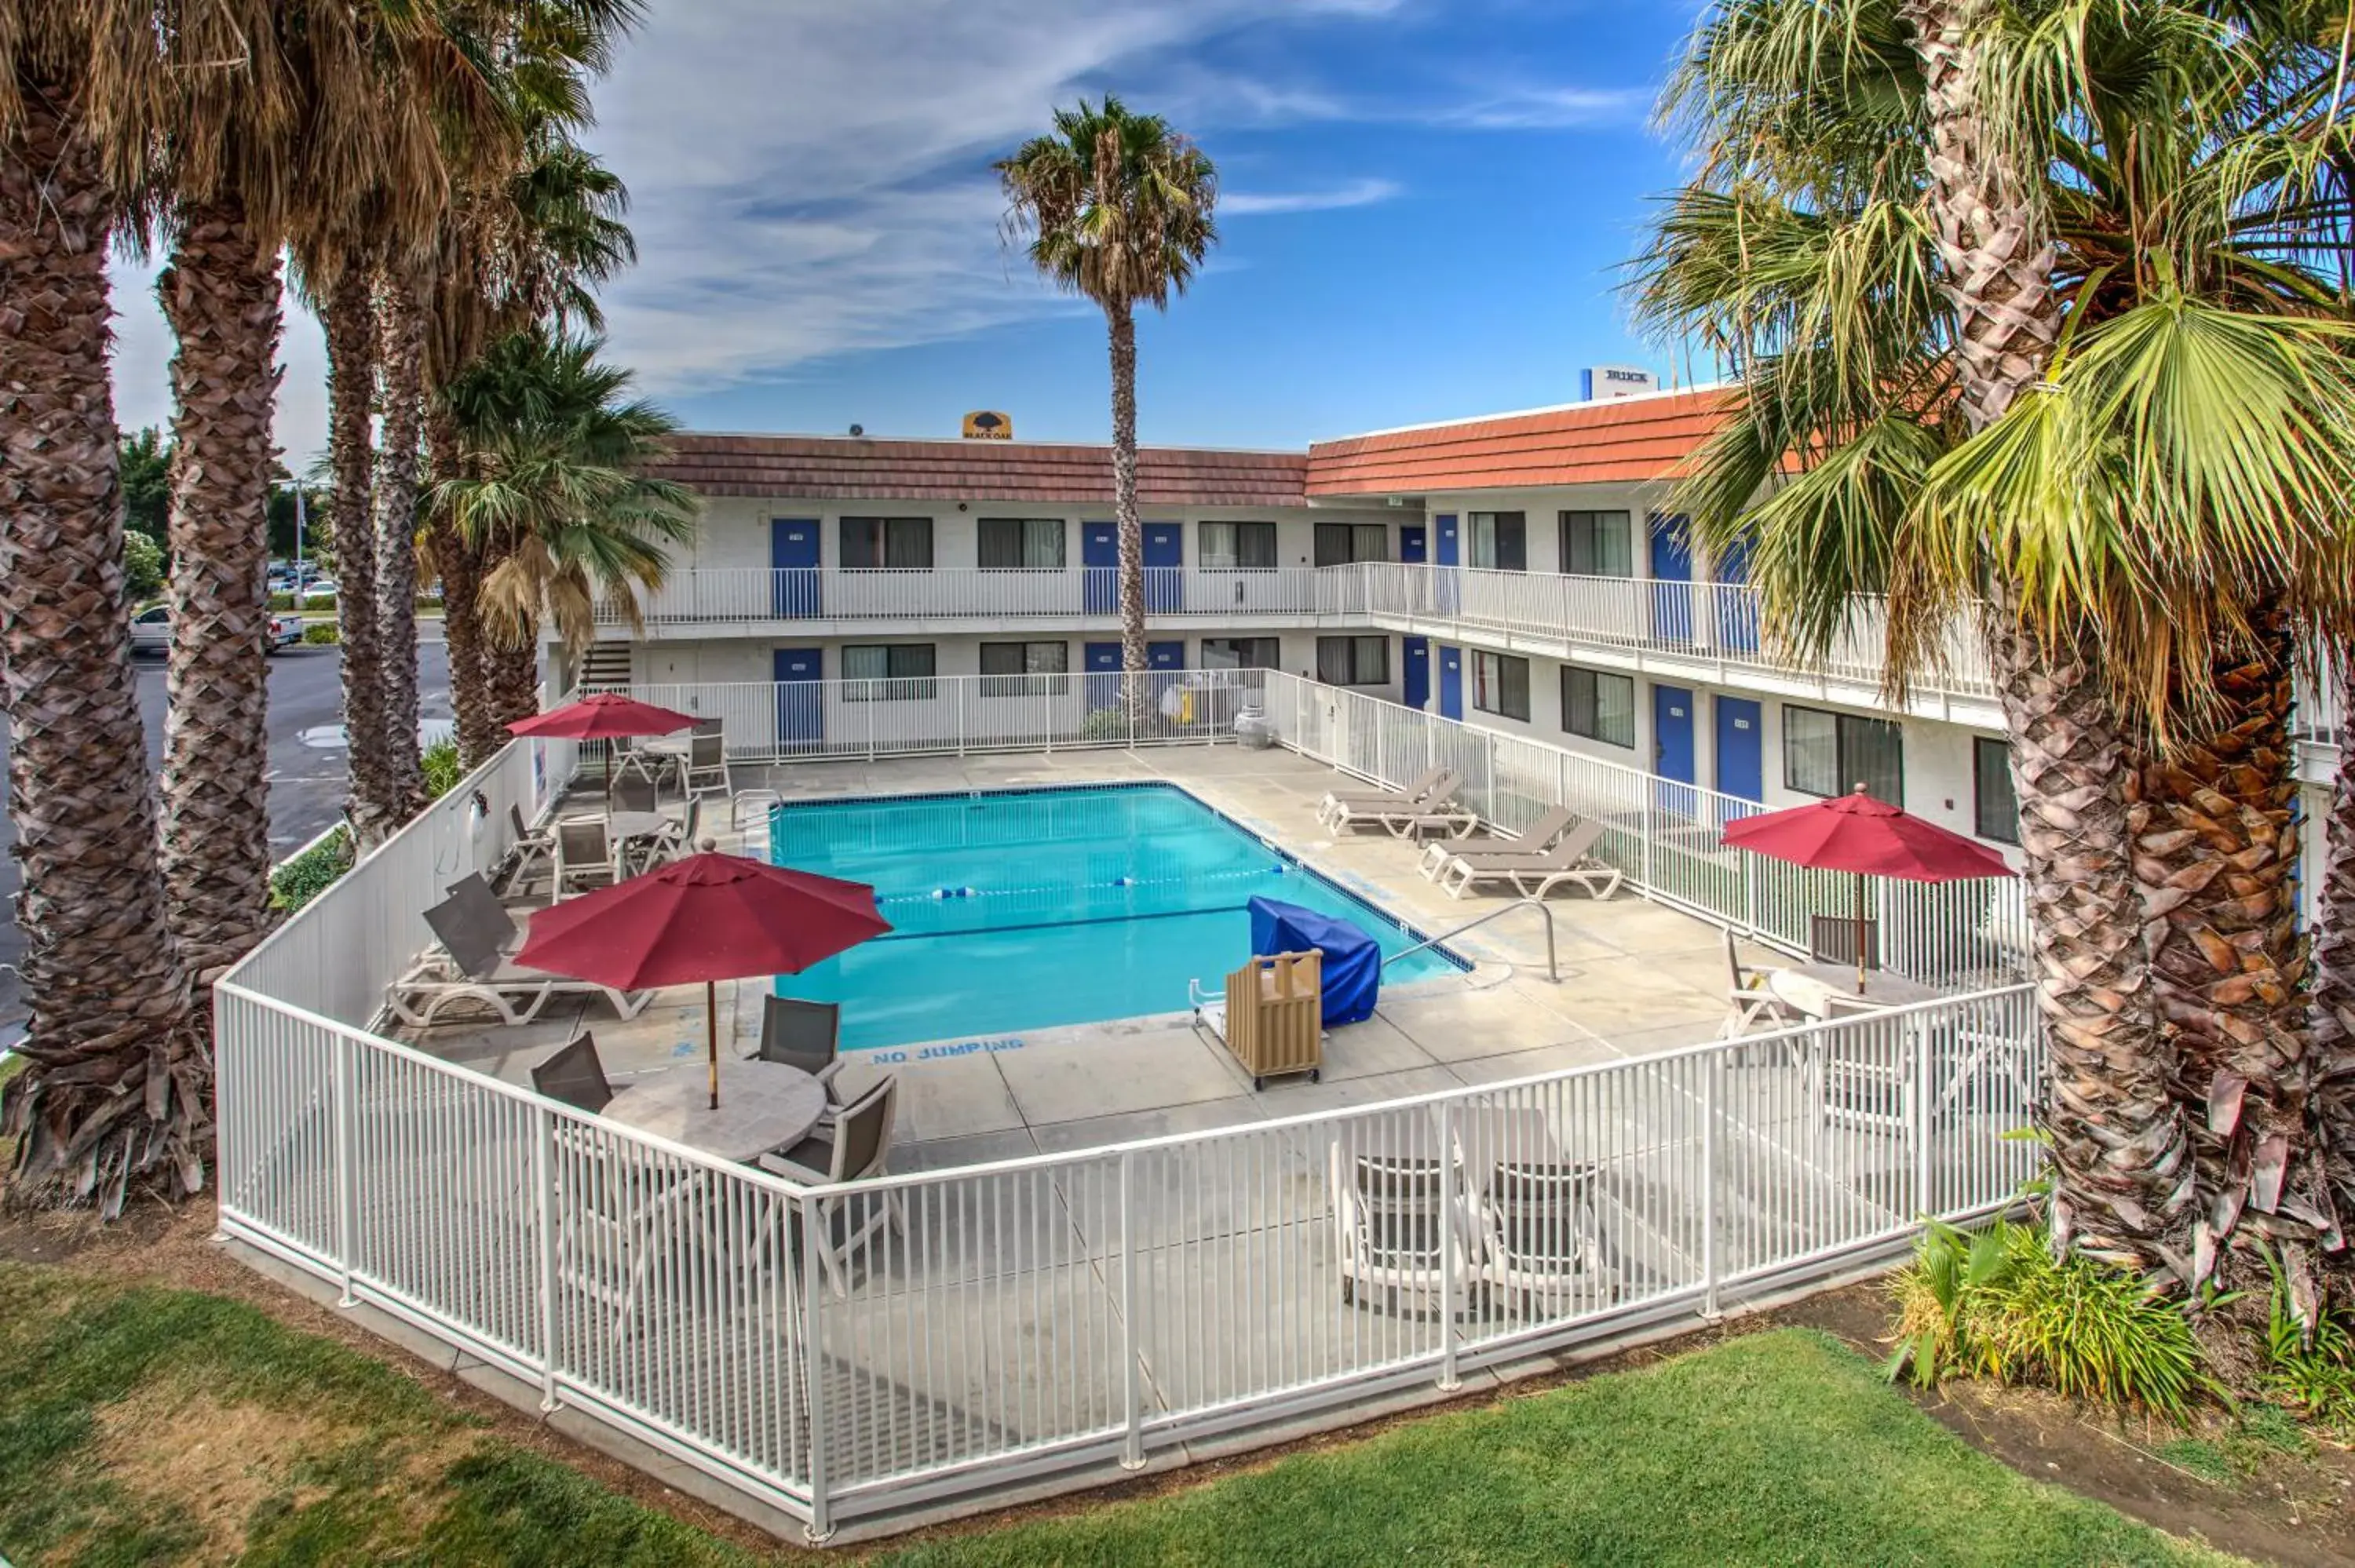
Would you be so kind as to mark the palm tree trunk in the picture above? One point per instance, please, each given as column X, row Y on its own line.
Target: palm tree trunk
column 1123, row 322
column 2122, row 1166
column 350, row 321
column 221, row 294
column 2216, row 847
column 400, row 344
column 459, row 565
column 513, row 679
column 118, row 1085
column 2333, row 996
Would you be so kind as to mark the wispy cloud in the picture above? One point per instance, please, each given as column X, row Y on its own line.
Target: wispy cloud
column 1545, row 109
column 1356, row 193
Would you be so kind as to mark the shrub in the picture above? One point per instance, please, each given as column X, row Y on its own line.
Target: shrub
column 322, row 632
column 1998, row 1305
column 1104, row 724
column 304, row 876
column 143, row 566
column 2309, row 1369
column 442, row 769
column 281, row 601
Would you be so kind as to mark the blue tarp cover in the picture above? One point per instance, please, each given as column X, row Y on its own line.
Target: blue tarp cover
column 1352, row 965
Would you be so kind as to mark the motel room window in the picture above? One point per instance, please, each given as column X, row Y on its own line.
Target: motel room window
column 1500, row 685
column 901, row 672
column 1995, row 803
column 1241, row 653
column 1339, row 543
column 1025, row 669
column 1353, row 660
column 1599, row 705
column 1598, row 544
column 1022, row 544
column 1247, row 547
column 1498, row 540
column 1831, row 753
column 904, row 544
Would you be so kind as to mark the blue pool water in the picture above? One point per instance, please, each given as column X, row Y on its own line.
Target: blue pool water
column 1028, row 909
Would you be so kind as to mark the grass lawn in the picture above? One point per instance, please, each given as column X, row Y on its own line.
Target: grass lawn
column 147, row 1425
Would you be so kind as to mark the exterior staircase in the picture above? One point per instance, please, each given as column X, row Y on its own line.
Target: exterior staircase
column 605, row 667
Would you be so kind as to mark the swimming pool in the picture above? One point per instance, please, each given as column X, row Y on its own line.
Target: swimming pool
column 1025, row 909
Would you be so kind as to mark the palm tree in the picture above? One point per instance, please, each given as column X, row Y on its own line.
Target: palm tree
column 116, row 1088
column 1821, row 250
column 554, row 463
column 1118, row 207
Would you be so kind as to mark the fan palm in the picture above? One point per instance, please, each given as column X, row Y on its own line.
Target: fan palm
column 1119, row 209
column 1867, row 420
column 554, row 461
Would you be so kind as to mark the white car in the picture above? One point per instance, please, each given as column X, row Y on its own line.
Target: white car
column 150, row 631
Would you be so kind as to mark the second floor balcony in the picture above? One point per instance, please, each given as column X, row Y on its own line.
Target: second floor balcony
column 713, row 601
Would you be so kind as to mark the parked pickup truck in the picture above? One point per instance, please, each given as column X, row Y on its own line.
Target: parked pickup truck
column 150, row 630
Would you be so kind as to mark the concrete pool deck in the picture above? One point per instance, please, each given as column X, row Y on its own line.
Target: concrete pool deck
column 1636, row 978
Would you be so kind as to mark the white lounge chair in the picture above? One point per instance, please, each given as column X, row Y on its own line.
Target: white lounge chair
column 1335, row 802
column 1534, row 876
column 1540, row 1216
column 472, row 965
column 1556, row 822
column 1388, row 1204
column 1438, row 810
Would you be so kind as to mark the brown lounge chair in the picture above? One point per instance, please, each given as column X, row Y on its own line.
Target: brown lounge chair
column 1439, row 810
column 1556, row 822
column 474, row 964
column 1535, row 875
column 1435, row 782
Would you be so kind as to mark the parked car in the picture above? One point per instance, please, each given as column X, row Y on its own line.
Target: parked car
column 150, row 630
column 322, row 591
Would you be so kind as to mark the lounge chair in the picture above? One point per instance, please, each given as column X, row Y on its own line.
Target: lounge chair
column 855, row 1146
column 1439, row 810
column 472, row 965
column 584, row 855
column 530, row 850
column 1388, row 1195
column 806, row 1035
column 1535, row 875
column 576, row 1075
column 1539, row 1215
column 1329, row 809
column 1556, row 822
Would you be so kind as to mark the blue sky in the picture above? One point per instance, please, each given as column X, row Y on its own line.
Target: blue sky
column 1426, row 204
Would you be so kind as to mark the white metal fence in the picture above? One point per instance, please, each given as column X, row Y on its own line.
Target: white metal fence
column 813, row 593
column 840, row 1351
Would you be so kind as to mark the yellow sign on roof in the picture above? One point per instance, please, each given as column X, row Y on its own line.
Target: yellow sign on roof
column 988, row 424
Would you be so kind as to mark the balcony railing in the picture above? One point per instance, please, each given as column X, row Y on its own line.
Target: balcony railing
column 720, row 594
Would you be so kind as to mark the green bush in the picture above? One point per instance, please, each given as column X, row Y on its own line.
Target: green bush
column 1998, row 1305
column 1104, row 724
column 2310, row 1369
column 281, row 601
column 442, row 769
column 304, row 876
column 322, row 632
column 143, row 567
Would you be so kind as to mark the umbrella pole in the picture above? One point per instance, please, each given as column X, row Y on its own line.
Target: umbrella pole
column 711, row 1036
column 1860, row 933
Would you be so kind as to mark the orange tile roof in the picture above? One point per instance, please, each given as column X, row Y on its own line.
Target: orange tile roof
column 1630, row 442
column 857, row 467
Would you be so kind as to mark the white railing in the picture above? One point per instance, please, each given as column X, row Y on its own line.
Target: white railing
column 775, row 721
column 838, row 1351
column 1664, row 835
column 789, row 594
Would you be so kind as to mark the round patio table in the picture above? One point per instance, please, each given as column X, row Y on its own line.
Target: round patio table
column 1807, row 988
column 764, row 1105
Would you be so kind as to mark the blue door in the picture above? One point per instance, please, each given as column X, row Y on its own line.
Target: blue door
column 1451, row 681
column 1165, row 552
column 1672, row 748
column 1414, row 543
column 1418, row 671
column 1100, row 567
column 1164, row 655
column 801, row 706
column 1443, row 584
column 1102, row 662
column 1450, row 551
column 1672, row 578
column 793, row 560
column 1737, row 611
column 1741, row 748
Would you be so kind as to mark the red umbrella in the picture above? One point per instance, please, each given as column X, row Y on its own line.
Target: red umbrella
column 707, row 917
column 605, row 715
column 1869, row 838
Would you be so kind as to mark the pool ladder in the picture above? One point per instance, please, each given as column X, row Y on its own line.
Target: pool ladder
column 1553, row 968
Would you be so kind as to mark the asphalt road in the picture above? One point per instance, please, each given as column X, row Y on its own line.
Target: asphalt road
column 306, row 765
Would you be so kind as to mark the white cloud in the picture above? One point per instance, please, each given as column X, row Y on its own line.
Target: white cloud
column 1545, row 109
column 1356, row 193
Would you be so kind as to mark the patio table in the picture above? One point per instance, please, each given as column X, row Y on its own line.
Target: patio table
column 1808, row 988
column 762, row 1106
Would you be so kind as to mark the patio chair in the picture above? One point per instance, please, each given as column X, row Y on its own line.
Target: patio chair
column 1556, row 822
column 1422, row 788
column 854, row 1147
column 584, row 855
column 1533, row 876
column 475, row 936
column 1832, row 939
column 1862, row 1076
column 530, row 850
column 575, row 1076
column 679, row 838
column 1748, row 1003
column 1437, row 809
column 806, row 1035
column 707, row 765
column 649, row 765
column 635, row 792
column 1540, row 1214
column 1387, row 1194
